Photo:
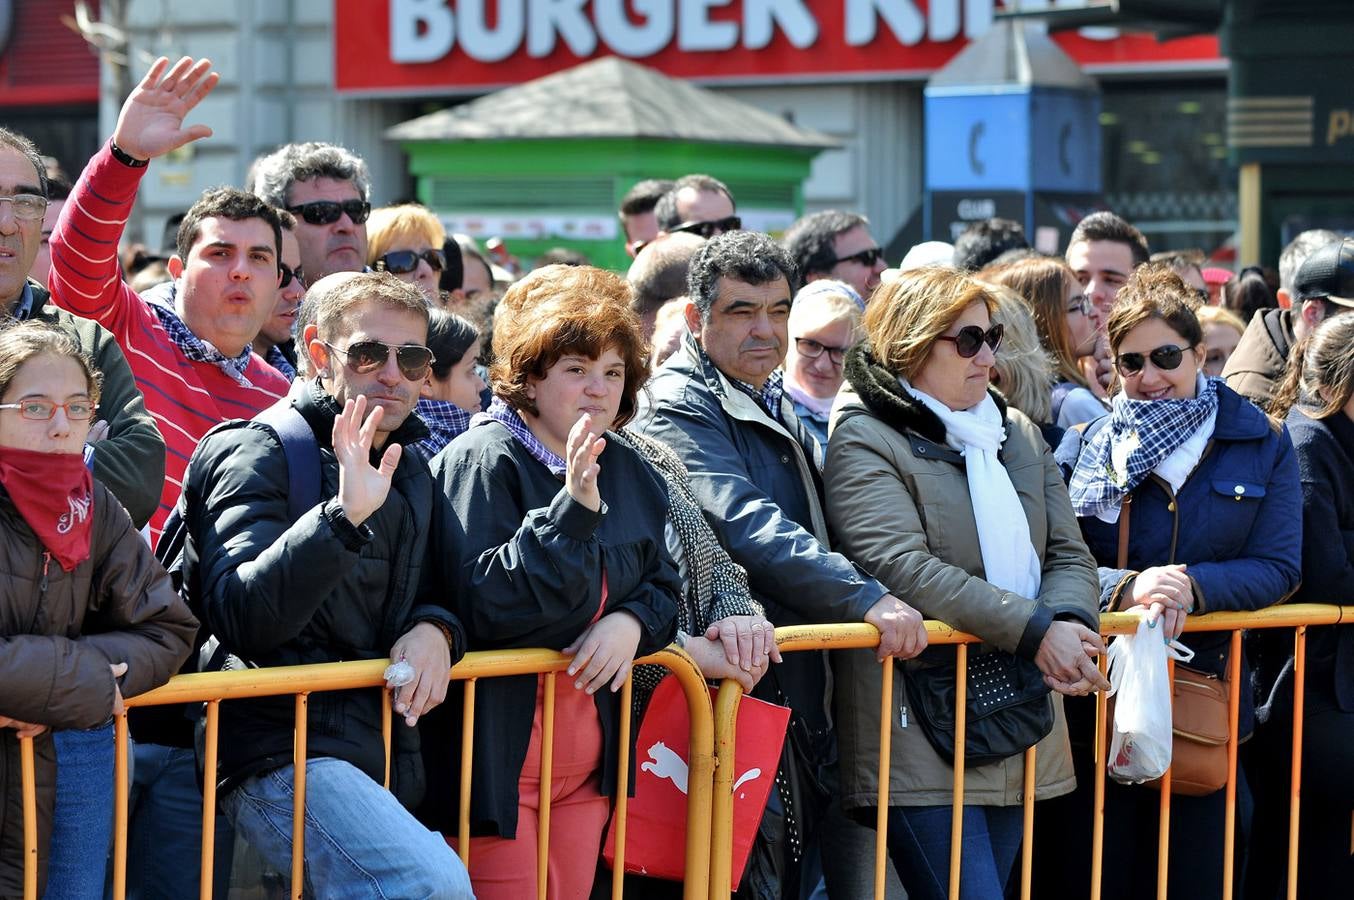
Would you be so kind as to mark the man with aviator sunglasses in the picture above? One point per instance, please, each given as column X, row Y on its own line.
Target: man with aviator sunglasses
column 339, row 582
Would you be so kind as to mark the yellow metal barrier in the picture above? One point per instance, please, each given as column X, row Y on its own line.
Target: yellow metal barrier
column 844, row 637
column 301, row 681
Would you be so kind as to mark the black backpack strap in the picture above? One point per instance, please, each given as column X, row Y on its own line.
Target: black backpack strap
column 302, row 453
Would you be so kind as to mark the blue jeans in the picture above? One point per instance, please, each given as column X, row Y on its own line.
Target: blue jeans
column 82, row 826
column 919, row 845
column 360, row 842
column 164, row 828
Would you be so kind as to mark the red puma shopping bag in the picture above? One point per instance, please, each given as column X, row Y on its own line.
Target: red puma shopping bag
column 655, row 832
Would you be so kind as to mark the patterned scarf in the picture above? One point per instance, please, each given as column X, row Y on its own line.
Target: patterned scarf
column 445, row 421
column 198, row 350
column 506, row 416
column 769, row 396
column 1138, row 437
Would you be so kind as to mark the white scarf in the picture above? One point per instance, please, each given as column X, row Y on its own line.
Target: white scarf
column 1009, row 560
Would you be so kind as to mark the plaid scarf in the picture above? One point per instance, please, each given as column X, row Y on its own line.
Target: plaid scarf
column 445, row 421
column 769, row 396
column 198, row 350
column 1138, row 437
column 506, row 416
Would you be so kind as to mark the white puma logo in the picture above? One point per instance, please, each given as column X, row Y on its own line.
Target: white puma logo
column 664, row 763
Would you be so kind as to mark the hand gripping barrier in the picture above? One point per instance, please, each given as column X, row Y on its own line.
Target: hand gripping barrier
column 842, row 637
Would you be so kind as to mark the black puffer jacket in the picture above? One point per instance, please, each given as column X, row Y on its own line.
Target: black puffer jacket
column 279, row 593
column 59, row 632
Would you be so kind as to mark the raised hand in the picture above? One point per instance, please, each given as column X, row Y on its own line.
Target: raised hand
column 582, row 469
column 151, row 121
column 362, row 486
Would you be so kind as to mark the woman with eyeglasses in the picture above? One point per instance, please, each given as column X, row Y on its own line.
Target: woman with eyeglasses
column 1316, row 399
column 1203, row 493
column 550, row 533
column 952, row 500
column 824, row 323
column 1068, row 324
column 406, row 241
column 87, row 616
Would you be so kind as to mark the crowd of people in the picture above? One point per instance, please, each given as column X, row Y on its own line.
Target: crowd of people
column 349, row 435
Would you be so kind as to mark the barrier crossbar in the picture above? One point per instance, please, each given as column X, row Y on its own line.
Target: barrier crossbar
column 862, row 636
column 302, row 681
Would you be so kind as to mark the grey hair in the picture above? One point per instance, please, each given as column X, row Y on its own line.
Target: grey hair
column 16, row 141
column 1296, row 253
column 272, row 176
column 809, row 240
column 665, row 210
column 747, row 256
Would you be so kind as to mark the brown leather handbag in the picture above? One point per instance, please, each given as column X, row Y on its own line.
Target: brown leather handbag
column 1199, row 714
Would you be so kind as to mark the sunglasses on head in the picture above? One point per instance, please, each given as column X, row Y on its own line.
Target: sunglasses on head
column 402, row 262
column 364, row 357
column 1164, row 358
column 327, row 212
column 708, row 230
column 288, row 273
column 865, row 257
column 971, row 338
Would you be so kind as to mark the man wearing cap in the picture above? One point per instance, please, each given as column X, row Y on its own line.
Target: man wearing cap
column 836, row 245
column 1324, row 287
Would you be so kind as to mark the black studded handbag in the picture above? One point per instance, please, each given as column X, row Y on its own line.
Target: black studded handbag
column 1010, row 708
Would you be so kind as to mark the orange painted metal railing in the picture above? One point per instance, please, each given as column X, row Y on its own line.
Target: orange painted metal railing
column 302, row 681
column 843, row 637
column 711, row 764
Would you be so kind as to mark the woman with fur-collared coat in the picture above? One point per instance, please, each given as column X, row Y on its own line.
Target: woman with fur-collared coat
column 955, row 504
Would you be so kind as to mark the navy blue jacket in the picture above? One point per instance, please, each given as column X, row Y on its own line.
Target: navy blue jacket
column 759, row 483
column 1235, row 523
column 1325, row 450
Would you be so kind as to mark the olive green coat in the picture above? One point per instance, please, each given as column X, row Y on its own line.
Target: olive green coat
column 898, row 504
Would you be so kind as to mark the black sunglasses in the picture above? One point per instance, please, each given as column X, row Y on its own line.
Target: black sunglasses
column 865, row 257
column 402, row 262
column 326, row 212
column 971, row 338
column 1165, row 358
column 364, row 357
column 288, row 273
column 709, row 229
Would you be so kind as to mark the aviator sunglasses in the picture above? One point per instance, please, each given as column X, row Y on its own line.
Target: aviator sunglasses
column 364, row 357
column 971, row 338
column 327, row 212
column 709, row 229
column 1164, row 358
column 288, row 273
column 402, row 262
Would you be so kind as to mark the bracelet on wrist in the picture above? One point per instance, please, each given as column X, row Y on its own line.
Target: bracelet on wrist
column 126, row 158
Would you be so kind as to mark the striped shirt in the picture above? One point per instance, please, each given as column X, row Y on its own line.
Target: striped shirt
column 185, row 396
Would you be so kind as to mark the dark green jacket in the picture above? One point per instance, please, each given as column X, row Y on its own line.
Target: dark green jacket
column 130, row 461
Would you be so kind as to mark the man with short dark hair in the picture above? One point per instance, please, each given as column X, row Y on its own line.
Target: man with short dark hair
column 1102, row 252
column 638, row 222
column 699, row 204
column 328, row 189
column 338, row 583
column 1322, row 287
column 719, row 403
column 836, row 245
column 982, row 242
column 189, row 344
column 658, row 275
column 1188, row 264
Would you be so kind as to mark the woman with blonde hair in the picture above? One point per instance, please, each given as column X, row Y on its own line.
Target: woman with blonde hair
column 406, row 241
column 1222, row 332
column 1024, row 370
column 824, row 323
column 951, row 498
column 1068, row 325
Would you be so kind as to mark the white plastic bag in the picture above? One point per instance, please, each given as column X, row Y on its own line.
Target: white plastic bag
column 1140, row 749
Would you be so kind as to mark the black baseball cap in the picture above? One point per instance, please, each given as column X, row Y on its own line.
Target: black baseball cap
column 1328, row 274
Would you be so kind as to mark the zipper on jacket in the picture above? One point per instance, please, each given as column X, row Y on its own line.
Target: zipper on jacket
column 46, row 563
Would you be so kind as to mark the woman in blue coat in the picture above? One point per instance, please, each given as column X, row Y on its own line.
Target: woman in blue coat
column 1215, row 524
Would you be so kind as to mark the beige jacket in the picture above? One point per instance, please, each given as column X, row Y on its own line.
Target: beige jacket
column 899, row 506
